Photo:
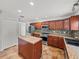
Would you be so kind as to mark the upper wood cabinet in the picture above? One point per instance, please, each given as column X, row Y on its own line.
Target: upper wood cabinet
column 45, row 23
column 52, row 25
column 59, row 25
column 37, row 25
column 71, row 23
column 74, row 23
column 56, row 25
column 66, row 24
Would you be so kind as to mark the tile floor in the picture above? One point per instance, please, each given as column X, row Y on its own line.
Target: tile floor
column 48, row 52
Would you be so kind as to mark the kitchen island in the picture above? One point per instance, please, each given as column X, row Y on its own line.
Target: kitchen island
column 70, row 52
column 30, row 47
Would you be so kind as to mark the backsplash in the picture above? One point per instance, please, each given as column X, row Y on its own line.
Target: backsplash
column 66, row 33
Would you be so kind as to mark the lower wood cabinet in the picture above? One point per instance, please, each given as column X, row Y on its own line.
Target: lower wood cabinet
column 28, row 50
column 61, row 43
column 56, row 41
column 53, row 40
column 36, row 34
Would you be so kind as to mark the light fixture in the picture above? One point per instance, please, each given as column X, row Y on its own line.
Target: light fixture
column 31, row 3
column 19, row 11
column 76, row 5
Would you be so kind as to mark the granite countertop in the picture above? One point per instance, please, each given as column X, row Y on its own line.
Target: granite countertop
column 71, row 52
column 30, row 39
column 71, row 38
column 60, row 33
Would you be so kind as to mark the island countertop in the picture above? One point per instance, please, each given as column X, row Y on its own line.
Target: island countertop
column 30, row 39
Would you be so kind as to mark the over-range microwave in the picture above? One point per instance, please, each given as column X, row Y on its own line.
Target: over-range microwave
column 45, row 27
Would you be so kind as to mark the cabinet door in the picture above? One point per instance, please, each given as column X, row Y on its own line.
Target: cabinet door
column 45, row 23
column 74, row 23
column 52, row 25
column 61, row 43
column 59, row 25
column 53, row 41
column 37, row 25
column 78, row 22
column 56, row 25
column 66, row 24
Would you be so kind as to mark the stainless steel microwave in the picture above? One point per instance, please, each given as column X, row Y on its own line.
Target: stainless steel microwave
column 45, row 27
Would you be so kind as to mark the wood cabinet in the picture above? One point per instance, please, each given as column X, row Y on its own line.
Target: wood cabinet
column 74, row 23
column 61, row 43
column 45, row 23
column 52, row 25
column 36, row 34
column 37, row 25
column 56, row 25
column 56, row 41
column 71, row 23
column 78, row 22
column 66, row 24
column 30, row 47
column 53, row 40
column 59, row 25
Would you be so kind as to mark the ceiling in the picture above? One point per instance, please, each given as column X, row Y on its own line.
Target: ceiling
column 42, row 9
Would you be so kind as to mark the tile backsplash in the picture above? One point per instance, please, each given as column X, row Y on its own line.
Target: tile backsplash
column 66, row 33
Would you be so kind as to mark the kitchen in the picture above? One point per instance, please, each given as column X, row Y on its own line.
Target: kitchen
column 68, row 28
column 39, row 29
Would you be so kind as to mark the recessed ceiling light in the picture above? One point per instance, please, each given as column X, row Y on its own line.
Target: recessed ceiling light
column 19, row 11
column 31, row 3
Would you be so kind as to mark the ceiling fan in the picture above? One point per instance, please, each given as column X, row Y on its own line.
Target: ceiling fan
column 75, row 6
